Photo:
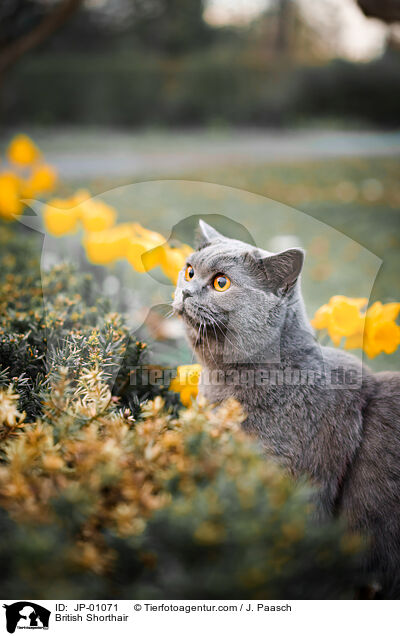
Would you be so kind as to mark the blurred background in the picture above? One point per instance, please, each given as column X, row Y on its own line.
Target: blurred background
column 296, row 100
column 213, row 63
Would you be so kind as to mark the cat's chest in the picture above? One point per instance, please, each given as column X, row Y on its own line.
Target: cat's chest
column 309, row 428
column 274, row 410
column 253, row 396
column 286, row 417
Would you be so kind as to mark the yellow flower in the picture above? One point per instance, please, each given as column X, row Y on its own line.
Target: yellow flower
column 387, row 336
column 341, row 317
column 322, row 317
column 355, row 341
column 107, row 246
column 345, row 318
column 170, row 259
column 60, row 216
column 174, row 259
column 172, row 263
column 22, row 151
column 378, row 311
column 10, row 196
column 140, row 247
column 96, row 215
column 186, row 382
column 382, row 334
column 374, row 331
column 146, row 249
column 43, row 179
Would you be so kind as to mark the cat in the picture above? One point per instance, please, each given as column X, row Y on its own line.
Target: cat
column 317, row 410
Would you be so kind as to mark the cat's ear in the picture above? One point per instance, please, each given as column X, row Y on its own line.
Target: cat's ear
column 282, row 270
column 206, row 234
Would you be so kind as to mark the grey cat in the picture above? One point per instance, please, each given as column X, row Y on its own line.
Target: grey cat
column 316, row 409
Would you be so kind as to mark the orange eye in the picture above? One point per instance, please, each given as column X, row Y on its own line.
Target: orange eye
column 221, row 283
column 189, row 272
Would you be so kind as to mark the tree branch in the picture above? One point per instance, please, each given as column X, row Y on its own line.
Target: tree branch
column 49, row 24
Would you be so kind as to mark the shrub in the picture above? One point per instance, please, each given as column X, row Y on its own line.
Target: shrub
column 59, row 319
column 164, row 507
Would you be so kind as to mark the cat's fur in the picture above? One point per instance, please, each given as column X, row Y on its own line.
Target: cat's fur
column 342, row 428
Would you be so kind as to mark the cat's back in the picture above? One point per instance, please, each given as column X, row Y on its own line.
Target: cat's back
column 381, row 418
column 387, row 394
column 378, row 459
column 371, row 494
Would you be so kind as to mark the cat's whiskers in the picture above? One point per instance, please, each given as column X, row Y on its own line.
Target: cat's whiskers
column 195, row 344
column 215, row 333
column 202, row 332
column 238, row 342
column 214, row 321
column 209, row 348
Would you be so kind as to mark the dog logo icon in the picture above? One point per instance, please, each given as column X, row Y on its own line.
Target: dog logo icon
column 26, row 615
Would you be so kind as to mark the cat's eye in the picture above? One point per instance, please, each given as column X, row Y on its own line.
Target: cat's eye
column 221, row 283
column 189, row 272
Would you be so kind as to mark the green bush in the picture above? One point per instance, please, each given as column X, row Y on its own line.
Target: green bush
column 55, row 319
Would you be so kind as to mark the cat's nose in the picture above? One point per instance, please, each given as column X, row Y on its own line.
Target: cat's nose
column 185, row 294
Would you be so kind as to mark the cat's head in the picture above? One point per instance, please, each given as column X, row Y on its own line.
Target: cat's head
column 230, row 291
